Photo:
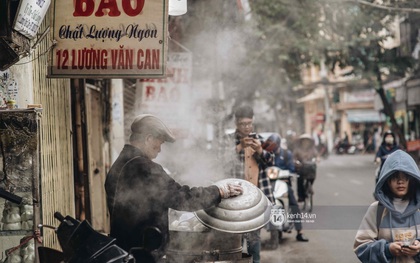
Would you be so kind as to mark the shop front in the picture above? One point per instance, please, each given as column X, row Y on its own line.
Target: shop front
column 362, row 125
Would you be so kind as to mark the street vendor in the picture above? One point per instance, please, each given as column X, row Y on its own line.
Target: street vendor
column 140, row 192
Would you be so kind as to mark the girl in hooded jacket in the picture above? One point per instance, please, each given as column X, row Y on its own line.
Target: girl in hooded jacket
column 389, row 231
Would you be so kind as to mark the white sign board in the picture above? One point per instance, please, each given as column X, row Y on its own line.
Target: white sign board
column 109, row 39
column 29, row 16
column 413, row 96
column 169, row 98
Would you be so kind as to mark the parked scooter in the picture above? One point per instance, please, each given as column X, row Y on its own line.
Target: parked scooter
column 80, row 243
column 279, row 179
column 342, row 147
column 345, row 148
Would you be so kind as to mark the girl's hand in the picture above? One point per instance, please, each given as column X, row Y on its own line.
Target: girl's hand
column 396, row 249
column 412, row 250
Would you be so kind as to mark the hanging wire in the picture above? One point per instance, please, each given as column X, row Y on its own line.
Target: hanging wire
column 54, row 43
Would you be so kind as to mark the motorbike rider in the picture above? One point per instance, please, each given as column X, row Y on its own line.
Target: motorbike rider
column 140, row 192
column 283, row 159
column 388, row 146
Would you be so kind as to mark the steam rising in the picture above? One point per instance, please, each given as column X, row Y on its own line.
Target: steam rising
column 217, row 56
column 192, row 159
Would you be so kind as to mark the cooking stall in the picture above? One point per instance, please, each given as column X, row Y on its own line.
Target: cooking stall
column 215, row 234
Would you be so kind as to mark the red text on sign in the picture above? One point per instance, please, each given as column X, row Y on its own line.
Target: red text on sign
column 162, row 94
column 148, row 59
column 122, row 58
column 87, row 7
column 175, row 75
column 81, row 58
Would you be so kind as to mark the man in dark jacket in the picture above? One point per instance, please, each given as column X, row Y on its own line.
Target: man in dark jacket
column 139, row 191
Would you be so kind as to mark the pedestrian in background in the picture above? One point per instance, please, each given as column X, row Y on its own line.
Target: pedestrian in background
column 377, row 138
column 389, row 231
column 388, row 146
column 305, row 153
column 242, row 156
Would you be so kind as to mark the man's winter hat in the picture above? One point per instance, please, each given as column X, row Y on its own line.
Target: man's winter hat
column 150, row 123
column 244, row 112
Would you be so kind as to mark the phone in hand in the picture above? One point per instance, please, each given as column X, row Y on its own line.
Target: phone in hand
column 252, row 135
column 408, row 244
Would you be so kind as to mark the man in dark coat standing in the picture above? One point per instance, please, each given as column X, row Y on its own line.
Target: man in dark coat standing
column 139, row 191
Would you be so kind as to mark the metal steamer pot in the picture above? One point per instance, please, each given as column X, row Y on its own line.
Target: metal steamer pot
column 215, row 234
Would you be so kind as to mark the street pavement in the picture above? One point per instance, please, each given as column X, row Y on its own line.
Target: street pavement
column 343, row 191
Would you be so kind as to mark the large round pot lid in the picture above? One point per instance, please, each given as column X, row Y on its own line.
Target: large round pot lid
column 244, row 213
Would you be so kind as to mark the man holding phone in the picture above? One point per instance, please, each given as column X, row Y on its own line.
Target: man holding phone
column 243, row 157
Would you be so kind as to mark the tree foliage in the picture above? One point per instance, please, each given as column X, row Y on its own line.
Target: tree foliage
column 268, row 51
column 343, row 33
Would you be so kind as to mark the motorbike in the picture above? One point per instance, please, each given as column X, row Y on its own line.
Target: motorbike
column 345, row 148
column 278, row 179
column 342, row 147
column 82, row 244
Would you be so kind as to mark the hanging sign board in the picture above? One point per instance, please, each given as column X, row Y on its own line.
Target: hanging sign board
column 413, row 145
column 109, row 39
column 29, row 16
column 169, row 98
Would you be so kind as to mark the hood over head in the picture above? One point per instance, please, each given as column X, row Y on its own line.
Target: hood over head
column 398, row 161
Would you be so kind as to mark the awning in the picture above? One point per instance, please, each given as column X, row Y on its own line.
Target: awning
column 365, row 116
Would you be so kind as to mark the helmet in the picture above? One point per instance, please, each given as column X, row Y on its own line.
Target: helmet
column 272, row 144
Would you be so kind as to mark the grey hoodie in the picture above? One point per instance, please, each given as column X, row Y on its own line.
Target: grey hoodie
column 372, row 244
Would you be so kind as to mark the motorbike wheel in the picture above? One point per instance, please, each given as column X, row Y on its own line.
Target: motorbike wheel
column 308, row 203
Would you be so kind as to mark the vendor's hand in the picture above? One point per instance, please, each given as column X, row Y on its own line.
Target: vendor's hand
column 411, row 250
column 230, row 190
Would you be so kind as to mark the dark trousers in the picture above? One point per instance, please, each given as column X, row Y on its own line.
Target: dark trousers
column 293, row 204
column 301, row 187
column 254, row 244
